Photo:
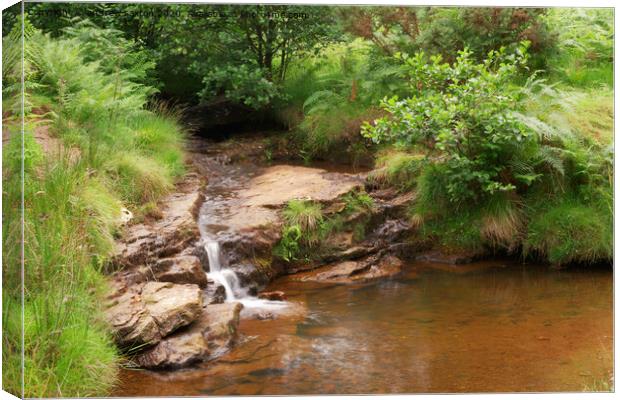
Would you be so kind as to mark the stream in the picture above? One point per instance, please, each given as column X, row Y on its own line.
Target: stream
column 492, row 326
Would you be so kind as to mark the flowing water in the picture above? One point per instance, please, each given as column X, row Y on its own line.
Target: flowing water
column 225, row 180
column 493, row 326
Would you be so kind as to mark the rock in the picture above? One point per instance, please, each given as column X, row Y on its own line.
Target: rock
column 276, row 295
column 281, row 183
column 131, row 323
column 216, row 293
column 350, row 253
column 265, row 315
column 223, row 322
column 386, row 266
column 181, row 269
column 392, row 230
column 126, row 216
column 211, row 335
column 369, row 268
column 178, row 350
column 144, row 243
column 171, row 305
column 149, row 312
column 340, row 270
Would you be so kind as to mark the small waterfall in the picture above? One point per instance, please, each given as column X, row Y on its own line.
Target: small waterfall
column 226, row 277
column 222, row 275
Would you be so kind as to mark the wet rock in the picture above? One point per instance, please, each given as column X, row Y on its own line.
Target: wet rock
column 178, row 350
column 392, row 230
column 350, row 253
column 369, row 268
column 277, row 295
column 222, row 321
column 265, row 315
column 211, row 335
column 150, row 311
column 216, row 293
column 386, row 266
column 181, row 269
column 144, row 243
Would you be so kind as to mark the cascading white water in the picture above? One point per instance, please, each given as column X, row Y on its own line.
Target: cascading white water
column 226, row 277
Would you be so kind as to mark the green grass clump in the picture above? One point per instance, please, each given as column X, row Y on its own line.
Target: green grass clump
column 157, row 135
column 307, row 229
column 68, row 349
column 396, row 168
column 568, row 231
column 307, row 215
column 138, row 179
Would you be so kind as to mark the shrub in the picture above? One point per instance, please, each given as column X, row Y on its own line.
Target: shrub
column 459, row 115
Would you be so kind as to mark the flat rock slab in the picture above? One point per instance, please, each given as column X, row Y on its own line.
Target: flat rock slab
column 279, row 184
column 356, row 271
column 257, row 205
column 151, row 311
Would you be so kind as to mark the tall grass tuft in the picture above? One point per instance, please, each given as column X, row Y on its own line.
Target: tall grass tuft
column 114, row 152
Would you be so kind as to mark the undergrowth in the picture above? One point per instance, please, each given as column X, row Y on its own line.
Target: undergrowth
column 111, row 149
column 309, row 227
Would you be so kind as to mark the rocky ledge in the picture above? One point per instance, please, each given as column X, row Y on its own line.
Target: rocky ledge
column 158, row 307
column 164, row 311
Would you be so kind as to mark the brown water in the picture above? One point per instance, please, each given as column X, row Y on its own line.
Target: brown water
column 495, row 326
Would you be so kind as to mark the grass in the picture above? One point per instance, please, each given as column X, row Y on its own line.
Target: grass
column 396, row 168
column 308, row 228
column 118, row 153
column 569, row 231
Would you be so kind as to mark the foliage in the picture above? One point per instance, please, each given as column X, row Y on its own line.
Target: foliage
column 584, row 56
column 396, row 168
column 112, row 51
column 307, row 228
column 115, row 152
column 242, row 84
column 445, row 31
column 459, row 115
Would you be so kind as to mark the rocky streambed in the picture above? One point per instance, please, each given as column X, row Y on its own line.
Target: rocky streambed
column 205, row 304
column 172, row 305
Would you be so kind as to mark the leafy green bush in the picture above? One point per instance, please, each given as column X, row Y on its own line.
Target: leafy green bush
column 242, row 84
column 460, row 115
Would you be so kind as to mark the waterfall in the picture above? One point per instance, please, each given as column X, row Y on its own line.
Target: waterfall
column 226, row 277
